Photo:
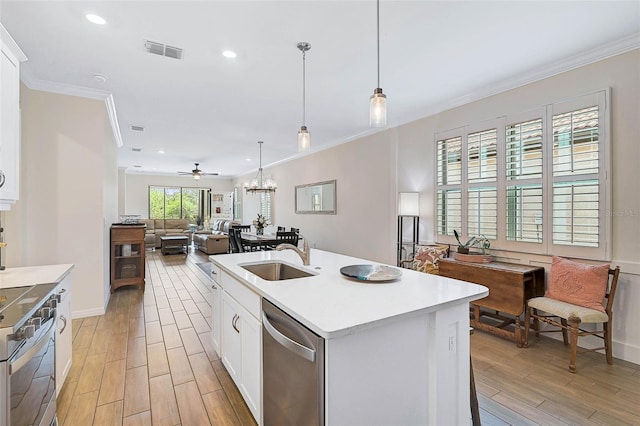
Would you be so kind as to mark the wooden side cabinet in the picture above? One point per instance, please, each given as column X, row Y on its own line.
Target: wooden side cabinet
column 127, row 256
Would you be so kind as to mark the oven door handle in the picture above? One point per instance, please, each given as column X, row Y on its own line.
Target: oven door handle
column 21, row 361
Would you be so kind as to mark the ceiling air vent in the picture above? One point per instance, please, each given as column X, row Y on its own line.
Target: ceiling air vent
column 163, row 50
column 137, row 128
column 136, row 149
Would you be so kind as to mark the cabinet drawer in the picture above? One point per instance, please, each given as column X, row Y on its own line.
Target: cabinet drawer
column 119, row 234
column 245, row 297
column 215, row 273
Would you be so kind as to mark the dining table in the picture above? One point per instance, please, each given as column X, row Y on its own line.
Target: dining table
column 258, row 241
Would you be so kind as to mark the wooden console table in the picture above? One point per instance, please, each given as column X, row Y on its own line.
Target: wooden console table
column 510, row 285
column 127, row 255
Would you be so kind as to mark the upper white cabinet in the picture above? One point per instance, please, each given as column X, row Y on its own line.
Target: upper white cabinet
column 10, row 59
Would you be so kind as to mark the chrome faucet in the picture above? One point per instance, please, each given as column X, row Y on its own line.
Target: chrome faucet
column 305, row 253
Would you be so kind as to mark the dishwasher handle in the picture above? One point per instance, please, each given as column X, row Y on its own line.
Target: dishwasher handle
column 295, row 347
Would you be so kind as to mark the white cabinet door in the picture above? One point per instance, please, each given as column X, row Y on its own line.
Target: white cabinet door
column 63, row 334
column 251, row 336
column 10, row 58
column 242, row 351
column 232, row 342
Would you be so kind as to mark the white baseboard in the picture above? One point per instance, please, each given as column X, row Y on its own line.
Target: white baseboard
column 88, row 313
column 626, row 352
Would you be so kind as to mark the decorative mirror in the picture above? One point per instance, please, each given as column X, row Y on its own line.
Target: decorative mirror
column 316, row 198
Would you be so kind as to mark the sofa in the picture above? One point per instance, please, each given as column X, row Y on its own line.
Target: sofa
column 157, row 228
column 215, row 240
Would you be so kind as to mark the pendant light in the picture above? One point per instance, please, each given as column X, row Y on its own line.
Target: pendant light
column 378, row 102
column 304, row 138
column 259, row 183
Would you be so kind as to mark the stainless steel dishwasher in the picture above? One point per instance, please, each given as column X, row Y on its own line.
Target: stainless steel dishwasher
column 292, row 370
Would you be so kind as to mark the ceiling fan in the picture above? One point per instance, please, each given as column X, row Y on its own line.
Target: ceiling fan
column 197, row 173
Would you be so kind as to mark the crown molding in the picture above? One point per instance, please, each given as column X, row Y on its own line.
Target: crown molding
column 6, row 38
column 82, row 92
column 617, row 47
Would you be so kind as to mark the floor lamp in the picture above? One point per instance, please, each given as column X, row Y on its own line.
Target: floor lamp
column 408, row 206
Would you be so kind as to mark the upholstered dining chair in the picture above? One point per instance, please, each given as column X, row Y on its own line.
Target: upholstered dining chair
column 559, row 308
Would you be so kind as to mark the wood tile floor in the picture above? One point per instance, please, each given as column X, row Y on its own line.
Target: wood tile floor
column 149, row 360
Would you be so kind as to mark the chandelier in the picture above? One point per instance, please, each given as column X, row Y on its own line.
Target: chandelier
column 259, row 183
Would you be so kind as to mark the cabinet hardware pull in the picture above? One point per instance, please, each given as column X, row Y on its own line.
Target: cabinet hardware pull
column 2, row 178
column 295, row 347
column 214, row 287
column 214, row 273
column 233, row 323
column 64, row 323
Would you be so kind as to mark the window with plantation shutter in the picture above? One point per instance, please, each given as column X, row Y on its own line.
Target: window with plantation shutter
column 523, row 165
column 576, row 186
column 265, row 205
column 537, row 183
column 482, row 178
column 449, row 185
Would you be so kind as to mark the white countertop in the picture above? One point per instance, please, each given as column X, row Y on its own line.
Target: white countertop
column 333, row 305
column 31, row 275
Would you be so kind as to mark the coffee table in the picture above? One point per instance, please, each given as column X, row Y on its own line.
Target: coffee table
column 174, row 244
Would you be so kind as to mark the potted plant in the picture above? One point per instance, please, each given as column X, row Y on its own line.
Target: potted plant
column 463, row 248
column 481, row 242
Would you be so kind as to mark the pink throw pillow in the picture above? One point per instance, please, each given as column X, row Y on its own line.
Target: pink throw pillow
column 578, row 283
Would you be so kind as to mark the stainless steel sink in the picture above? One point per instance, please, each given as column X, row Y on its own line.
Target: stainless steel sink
column 276, row 271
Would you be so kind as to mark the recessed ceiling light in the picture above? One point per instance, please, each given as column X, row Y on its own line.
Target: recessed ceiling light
column 98, row 20
column 229, row 54
column 160, row 151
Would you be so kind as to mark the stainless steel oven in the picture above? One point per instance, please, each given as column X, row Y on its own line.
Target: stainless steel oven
column 27, row 355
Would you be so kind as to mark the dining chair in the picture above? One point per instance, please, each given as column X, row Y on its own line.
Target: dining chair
column 569, row 316
column 281, row 229
column 287, row 237
column 235, row 238
column 296, row 230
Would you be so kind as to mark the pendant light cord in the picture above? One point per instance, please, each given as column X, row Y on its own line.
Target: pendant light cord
column 378, row 34
column 304, row 95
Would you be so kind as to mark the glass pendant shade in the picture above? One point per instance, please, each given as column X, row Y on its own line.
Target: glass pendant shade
column 304, row 140
column 378, row 109
column 196, row 176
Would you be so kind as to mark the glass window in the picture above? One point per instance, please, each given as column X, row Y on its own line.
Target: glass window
column 167, row 202
column 539, row 184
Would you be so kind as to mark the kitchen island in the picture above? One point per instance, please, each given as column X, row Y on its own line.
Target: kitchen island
column 394, row 352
